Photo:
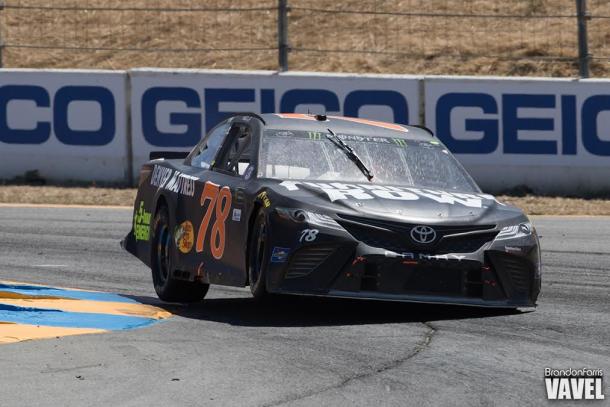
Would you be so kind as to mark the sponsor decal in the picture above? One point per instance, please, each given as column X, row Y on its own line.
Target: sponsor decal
column 574, row 384
column 141, row 223
column 317, row 136
column 185, row 237
column 314, row 135
column 279, row 254
column 173, row 181
column 424, row 256
column 160, row 176
column 265, row 199
column 218, row 207
column 400, row 142
column 236, row 215
column 341, row 191
column 309, row 235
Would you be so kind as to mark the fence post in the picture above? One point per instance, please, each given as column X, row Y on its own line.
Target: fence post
column 1, row 37
column 282, row 34
column 583, row 45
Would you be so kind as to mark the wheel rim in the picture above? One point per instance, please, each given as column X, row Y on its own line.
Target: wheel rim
column 163, row 254
column 257, row 264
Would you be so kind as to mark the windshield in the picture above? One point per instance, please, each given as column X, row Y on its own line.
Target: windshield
column 302, row 155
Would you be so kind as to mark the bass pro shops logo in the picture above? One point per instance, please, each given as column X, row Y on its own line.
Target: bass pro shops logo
column 574, row 384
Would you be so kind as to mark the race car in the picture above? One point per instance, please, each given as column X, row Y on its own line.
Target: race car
column 329, row 206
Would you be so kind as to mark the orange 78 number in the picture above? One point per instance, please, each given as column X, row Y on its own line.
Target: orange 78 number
column 220, row 203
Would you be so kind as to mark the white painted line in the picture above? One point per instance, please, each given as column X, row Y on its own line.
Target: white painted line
column 50, row 265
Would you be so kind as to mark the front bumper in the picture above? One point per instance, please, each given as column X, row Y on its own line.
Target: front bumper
column 338, row 265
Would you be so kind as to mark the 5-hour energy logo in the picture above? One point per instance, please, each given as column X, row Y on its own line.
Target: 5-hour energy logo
column 574, row 384
column 141, row 223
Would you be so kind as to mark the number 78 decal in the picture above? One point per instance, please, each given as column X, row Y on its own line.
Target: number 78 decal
column 220, row 203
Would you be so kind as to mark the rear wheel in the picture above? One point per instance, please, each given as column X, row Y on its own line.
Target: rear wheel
column 258, row 257
column 162, row 247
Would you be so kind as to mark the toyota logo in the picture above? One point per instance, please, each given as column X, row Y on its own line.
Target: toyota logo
column 423, row 234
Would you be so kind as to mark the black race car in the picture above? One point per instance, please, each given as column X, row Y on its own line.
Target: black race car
column 329, row 206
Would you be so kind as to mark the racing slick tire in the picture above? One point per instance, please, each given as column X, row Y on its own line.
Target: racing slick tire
column 258, row 257
column 162, row 245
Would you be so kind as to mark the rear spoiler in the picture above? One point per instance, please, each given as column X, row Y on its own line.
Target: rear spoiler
column 169, row 155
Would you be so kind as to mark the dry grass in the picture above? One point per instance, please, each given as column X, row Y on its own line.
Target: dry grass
column 540, row 205
column 496, row 44
column 533, row 205
column 67, row 195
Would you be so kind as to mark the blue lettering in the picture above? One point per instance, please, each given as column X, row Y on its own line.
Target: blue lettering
column 38, row 95
column 192, row 121
column 67, row 135
column 396, row 101
column 213, row 98
column 295, row 97
column 267, row 101
column 568, row 125
column 512, row 123
column 489, row 127
column 590, row 136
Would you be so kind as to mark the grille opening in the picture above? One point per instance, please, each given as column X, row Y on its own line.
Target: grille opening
column 369, row 278
column 519, row 271
column 306, row 260
column 435, row 280
column 519, row 274
column 395, row 236
column 474, row 283
column 464, row 244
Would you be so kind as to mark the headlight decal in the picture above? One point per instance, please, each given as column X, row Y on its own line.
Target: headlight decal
column 312, row 218
column 515, row 231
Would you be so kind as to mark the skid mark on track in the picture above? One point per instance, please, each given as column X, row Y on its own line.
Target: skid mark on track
column 29, row 311
column 423, row 344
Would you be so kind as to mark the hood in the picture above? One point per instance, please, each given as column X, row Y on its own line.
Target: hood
column 408, row 204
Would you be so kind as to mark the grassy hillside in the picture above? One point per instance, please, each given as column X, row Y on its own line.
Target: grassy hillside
column 515, row 37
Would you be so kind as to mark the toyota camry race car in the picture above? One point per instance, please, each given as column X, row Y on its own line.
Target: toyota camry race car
column 329, row 206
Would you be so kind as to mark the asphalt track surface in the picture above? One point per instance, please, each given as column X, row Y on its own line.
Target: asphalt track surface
column 297, row 351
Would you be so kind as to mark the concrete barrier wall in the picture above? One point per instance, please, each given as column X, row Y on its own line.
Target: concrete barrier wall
column 552, row 135
column 67, row 125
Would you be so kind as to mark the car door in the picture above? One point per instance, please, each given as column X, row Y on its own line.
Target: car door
column 214, row 219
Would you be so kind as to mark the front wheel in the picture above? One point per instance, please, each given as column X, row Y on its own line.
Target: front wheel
column 162, row 247
column 258, row 258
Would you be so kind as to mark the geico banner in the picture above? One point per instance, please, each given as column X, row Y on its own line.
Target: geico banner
column 171, row 110
column 67, row 125
column 550, row 135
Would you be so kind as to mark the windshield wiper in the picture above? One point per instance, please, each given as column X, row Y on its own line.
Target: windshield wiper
column 350, row 153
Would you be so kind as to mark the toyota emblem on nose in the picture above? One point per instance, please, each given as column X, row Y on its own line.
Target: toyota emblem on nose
column 423, row 234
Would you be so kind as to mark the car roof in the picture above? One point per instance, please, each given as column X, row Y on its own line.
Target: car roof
column 342, row 125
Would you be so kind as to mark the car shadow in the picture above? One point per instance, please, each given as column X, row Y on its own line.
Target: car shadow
column 294, row 311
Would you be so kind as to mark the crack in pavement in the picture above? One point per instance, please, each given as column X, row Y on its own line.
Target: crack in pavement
column 419, row 347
